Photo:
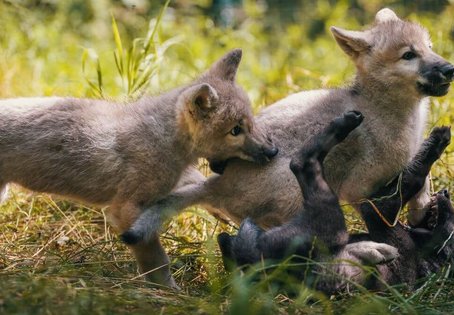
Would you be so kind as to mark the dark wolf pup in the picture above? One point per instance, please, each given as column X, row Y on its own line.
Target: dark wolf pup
column 129, row 156
column 319, row 232
column 396, row 72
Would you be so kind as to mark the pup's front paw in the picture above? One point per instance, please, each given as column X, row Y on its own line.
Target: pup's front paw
column 441, row 136
column 346, row 123
column 353, row 118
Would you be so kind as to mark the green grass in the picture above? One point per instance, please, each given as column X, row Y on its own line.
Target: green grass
column 59, row 257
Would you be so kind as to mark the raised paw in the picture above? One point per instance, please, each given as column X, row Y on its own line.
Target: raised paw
column 353, row 118
column 346, row 123
column 372, row 253
column 319, row 146
column 336, row 132
column 440, row 137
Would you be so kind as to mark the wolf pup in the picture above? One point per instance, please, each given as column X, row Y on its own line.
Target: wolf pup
column 309, row 234
column 129, row 156
column 396, row 72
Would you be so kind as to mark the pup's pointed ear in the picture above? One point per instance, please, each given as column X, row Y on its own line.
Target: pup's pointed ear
column 226, row 67
column 352, row 42
column 385, row 15
column 201, row 97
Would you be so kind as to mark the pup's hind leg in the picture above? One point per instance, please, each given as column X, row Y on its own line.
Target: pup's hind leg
column 416, row 205
column 251, row 242
column 415, row 174
column 320, row 201
column 390, row 198
column 241, row 249
column 151, row 257
column 349, row 263
column 153, row 262
column 320, row 145
column 434, row 231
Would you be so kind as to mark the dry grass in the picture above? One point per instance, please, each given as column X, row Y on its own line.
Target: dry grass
column 59, row 257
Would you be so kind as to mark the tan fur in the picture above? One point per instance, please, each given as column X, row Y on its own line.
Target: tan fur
column 391, row 92
column 129, row 156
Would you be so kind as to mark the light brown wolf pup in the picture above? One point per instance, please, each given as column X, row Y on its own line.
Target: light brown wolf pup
column 129, row 156
column 396, row 72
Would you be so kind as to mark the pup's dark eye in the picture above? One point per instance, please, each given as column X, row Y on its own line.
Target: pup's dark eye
column 235, row 131
column 409, row 55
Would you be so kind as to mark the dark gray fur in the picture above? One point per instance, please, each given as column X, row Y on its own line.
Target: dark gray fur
column 421, row 250
column 390, row 91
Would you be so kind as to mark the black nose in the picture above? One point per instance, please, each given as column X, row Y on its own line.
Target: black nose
column 271, row 152
column 445, row 193
column 448, row 71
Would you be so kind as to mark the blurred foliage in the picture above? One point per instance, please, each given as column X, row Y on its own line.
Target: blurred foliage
column 287, row 45
column 60, row 257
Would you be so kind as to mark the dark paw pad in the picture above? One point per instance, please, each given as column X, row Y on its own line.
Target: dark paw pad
column 217, row 166
column 353, row 118
column 346, row 123
column 441, row 136
column 311, row 168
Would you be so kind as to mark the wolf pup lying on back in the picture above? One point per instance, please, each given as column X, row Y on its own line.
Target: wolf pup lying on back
column 129, row 156
column 310, row 234
column 396, row 72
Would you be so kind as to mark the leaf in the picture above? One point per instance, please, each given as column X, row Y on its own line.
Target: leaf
column 95, row 89
column 155, row 28
column 99, row 73
column 118, row 44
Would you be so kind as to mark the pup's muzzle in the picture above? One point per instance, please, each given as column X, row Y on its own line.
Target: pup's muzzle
column 436, row 79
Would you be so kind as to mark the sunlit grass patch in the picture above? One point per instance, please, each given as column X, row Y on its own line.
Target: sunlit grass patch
column 60, row 257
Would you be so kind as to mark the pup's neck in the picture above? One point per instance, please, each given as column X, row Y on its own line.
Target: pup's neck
column 400, row 100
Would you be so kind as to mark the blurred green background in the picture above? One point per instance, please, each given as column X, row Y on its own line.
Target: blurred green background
column 57, row 257
column 287, row 44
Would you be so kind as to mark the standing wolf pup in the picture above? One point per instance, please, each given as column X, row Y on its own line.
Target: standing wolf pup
column 396, row 72
column 129, row 156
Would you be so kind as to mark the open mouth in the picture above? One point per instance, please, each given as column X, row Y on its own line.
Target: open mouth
column 440, row 89
column 217, row 166
column 439, row 203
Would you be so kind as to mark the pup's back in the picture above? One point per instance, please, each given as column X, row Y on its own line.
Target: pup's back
column 395, row 74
